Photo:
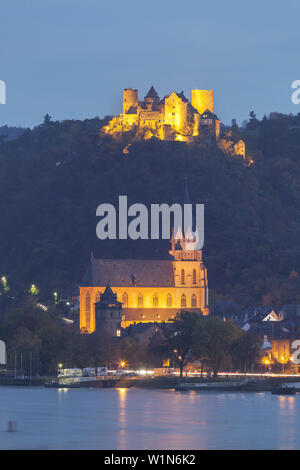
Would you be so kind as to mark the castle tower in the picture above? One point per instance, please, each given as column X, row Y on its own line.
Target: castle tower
column 109, row 312
column 130, row 99
column 203, row 100
column 151, row 99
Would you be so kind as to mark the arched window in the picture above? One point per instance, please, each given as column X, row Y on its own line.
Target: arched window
column 155, row 300
column 194, row 276
column 97, row 298
column 88, row 311
column 125, row 299
column 169, row 300
column 183, row 301
column 182, row 277
column 194, row 301
column 140, row 300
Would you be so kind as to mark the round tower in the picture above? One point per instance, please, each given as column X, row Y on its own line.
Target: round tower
column 130, row 98
column 202, row 100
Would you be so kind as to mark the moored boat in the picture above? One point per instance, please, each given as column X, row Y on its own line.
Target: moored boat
column 284, row 389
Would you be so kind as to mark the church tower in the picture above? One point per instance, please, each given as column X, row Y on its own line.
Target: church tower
column 189, row 269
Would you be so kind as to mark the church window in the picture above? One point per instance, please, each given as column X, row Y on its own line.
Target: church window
column 194, row 301
column 183, row 301
column 88, row 311
column 97, row 298
column 125, row 299
column 182, row 277
column 194, row 276
column 169, row 300
column 155, row 300
column 140, row 301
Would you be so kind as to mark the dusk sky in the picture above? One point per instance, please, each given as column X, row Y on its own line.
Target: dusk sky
column 72, row 58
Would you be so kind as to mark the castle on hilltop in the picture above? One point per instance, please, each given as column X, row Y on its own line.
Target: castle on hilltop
column 173, row 117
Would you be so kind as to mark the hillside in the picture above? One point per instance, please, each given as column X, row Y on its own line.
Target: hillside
column 53, row 177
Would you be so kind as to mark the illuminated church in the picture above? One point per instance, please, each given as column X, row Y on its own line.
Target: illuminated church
column 149, row 290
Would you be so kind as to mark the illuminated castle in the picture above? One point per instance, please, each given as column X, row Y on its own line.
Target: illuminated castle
column 173, row 117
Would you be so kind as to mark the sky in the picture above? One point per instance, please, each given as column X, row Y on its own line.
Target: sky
column 71, row 59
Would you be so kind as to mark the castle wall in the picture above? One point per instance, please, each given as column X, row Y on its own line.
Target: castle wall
column 202, row 100
column 149, row 119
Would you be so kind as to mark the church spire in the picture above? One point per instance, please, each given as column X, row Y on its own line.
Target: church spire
column 183, row 239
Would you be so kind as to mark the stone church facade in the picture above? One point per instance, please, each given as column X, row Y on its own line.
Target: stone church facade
column 150, row 290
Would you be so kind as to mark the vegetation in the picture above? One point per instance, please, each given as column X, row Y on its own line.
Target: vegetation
column 211, row 341
column 52, row 179
column 37, row 342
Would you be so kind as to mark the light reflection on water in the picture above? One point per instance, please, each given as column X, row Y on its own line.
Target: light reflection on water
column 147, row 419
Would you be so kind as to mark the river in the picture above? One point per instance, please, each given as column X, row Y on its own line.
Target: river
column 147, row 419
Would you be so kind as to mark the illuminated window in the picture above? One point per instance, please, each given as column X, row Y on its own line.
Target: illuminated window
column 194, row 301
column 97, row 298
column 125, row 299
column 194, row 276
column 118, row 332
column 140, row 301
column 183, row 301
column 182, row 277
column 155, row 300
column 169, row 300
column 88, row 311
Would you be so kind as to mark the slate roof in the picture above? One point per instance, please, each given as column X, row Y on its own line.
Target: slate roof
column 128, row 272
column 108, row 297
column 152, row 94
column 132, row 110
column 209, row 114
column 181, row 96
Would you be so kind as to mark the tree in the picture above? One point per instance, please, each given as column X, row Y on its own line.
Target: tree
column 179, row 338
column 245, row 350
column 253, row 121
column 213, row 338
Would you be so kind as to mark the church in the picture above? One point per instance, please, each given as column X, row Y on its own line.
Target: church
column 148, row 290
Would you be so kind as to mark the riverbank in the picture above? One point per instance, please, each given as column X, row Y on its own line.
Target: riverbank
column 257, row 384
column 8, row 381
column 175, row 383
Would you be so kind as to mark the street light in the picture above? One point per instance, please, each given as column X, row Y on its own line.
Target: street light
column 282, row 358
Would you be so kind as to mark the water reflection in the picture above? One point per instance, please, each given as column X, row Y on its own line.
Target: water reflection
column 122, row 392
column 286, row 422
column 147, row 419
column 286, row 403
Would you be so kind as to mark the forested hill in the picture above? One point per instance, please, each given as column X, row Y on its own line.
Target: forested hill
column 53, row 177
column 10, row 133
